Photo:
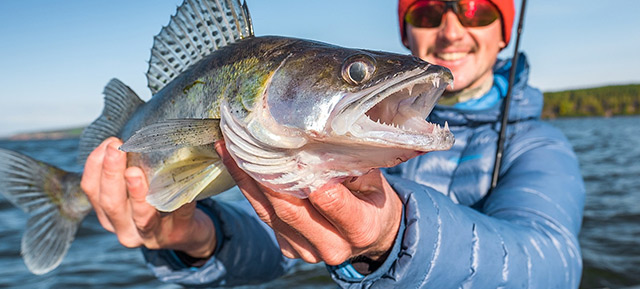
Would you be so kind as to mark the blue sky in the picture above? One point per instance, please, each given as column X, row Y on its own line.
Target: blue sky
column 56, row 56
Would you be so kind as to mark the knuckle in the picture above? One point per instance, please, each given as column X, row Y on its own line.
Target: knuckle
column 335, row 257
column 87, row 186
column 145, row 226
column 145, row 229
column 109, row 208
column 128, row 241
column 266, row 215
column 111, row 173
column 290, row 216
column 363, row 237
column 330, row 201
column 309, row 257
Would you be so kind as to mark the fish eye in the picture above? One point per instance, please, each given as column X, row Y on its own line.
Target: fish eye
column 358, row 69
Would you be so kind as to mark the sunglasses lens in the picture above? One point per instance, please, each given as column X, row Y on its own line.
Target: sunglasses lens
column 476, row 13
column 425, row 14
column 471, row 13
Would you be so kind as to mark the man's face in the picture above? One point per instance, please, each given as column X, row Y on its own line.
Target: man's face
column 470, row 52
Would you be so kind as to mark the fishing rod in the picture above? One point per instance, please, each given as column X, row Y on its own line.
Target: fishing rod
column 507, row 101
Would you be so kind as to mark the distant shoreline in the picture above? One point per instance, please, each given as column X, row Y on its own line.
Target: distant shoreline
column 604, row 101
column 46, row 135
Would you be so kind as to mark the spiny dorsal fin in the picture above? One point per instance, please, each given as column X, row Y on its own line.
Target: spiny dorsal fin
column 120, row 102
column 198, row 28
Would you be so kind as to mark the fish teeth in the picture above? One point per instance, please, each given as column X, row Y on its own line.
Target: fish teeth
column 435, row 83
column 446, row 126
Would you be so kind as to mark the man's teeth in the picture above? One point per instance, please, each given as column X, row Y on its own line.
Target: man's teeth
column 452, row 56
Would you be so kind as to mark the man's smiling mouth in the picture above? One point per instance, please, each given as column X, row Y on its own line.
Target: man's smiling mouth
column 451, row 56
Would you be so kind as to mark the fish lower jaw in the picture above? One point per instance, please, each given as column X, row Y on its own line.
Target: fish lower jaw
column 412, row 134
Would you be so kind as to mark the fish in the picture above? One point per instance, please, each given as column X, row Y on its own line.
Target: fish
column 294, row 114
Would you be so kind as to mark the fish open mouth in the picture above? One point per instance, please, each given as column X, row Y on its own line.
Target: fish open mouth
column 394, row 113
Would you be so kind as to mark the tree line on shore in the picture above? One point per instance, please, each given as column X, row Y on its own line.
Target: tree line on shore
column 599, row 101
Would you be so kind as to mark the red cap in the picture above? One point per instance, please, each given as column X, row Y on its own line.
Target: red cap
column 506, row 8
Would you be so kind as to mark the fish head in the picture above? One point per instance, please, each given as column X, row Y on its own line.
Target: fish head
column 369, row 98
column 342, row 112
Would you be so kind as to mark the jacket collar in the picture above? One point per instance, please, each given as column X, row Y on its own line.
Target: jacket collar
column 526, row 102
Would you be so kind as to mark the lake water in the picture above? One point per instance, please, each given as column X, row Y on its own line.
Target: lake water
column 609, row 152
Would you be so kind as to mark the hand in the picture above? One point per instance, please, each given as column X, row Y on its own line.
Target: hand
column 106, row 181
column 335, row 223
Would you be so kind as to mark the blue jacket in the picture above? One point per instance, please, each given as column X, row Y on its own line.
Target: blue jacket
column 453, row 233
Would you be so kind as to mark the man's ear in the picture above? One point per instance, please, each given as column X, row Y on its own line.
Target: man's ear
column 502, row 44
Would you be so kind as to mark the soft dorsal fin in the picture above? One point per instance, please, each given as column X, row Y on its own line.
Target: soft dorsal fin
column 198, row 28
column 120, row 102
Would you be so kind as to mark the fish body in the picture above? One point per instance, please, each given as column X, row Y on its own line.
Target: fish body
column 294, row 114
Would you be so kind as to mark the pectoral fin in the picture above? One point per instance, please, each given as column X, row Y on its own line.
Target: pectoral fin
column 173, row 134
column 191, row 173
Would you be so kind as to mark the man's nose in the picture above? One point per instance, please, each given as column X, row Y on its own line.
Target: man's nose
column 451, row 28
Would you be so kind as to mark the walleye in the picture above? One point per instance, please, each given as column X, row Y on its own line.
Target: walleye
column 294, row 114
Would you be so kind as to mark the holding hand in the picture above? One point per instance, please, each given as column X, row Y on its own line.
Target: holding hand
column 335, row 223
column 118, row 193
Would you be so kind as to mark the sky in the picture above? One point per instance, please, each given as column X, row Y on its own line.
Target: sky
column 56, row 56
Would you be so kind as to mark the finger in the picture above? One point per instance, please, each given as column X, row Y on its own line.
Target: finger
column 312, row 237
column 113, row 195
column 145, row 216
column 93, row 168
column 91, row 181
column 292, row 245
column 308, row 232
column 286, row 248
column 354, row 218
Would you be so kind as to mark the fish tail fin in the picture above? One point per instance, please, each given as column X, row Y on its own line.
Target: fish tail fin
column 54, row 202
column 120, row 103
column 198, row 28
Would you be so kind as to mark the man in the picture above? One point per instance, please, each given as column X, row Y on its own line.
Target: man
column 430, row 222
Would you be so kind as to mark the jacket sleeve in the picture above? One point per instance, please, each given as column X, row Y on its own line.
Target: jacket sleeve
column 246, row 252
column 524, row 236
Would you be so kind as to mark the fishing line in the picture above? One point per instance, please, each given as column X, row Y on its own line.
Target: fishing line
column 507, row 101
